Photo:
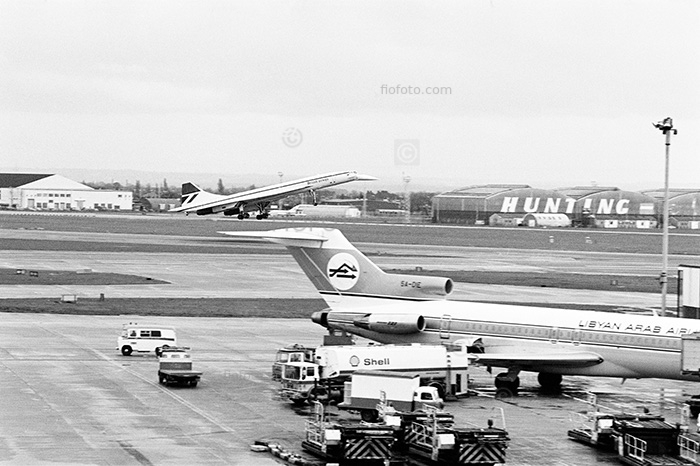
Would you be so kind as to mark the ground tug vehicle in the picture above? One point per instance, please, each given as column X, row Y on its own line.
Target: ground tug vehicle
column 145, row 338
column 175, row 367
column 324, row 379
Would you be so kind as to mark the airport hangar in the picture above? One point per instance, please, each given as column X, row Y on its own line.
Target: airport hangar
column 55, row 192
column 590, row 206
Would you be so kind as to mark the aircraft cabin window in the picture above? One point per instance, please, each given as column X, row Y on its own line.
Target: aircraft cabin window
column 155, row 333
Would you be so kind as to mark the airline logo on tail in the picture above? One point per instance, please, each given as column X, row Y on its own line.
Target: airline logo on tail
column 343, row 271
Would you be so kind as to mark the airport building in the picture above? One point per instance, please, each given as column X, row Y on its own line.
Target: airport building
column 156, row 204
column 589, row 206
column 55, row 192
column 683, row 206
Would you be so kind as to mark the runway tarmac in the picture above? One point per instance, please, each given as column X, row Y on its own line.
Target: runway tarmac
column 69, row 397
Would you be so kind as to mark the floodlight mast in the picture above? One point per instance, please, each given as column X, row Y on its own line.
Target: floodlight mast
column 666, row 126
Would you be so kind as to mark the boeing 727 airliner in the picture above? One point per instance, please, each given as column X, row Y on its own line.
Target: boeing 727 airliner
column 392, row 308
column 193, row 199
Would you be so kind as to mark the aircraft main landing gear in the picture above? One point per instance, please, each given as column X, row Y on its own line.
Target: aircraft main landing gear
column 549, row 382
column 507, row 383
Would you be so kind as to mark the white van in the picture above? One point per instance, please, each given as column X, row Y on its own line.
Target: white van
column 145, row 338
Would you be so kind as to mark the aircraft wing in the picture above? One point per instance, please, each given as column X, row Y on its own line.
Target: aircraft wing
column 194, row 199
column 289, row 237
column 539, row 360
column 211, row 202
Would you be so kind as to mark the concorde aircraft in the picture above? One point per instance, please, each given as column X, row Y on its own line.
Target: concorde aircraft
column 393, row 308
column 193, row 199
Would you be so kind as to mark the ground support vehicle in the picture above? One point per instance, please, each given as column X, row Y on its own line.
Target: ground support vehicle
column 357, row 443
column 689, row 445
column 402, row 392
column 431, row 437
column 175, row 367
column 291, row 353
column 637, row 439
column 596, row 428
column 690, row 365
column 648, row 443
column 324, row 379
column 145, row 338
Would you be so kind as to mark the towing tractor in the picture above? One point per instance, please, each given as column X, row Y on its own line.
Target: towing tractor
column 324, row 379
column 176, row 367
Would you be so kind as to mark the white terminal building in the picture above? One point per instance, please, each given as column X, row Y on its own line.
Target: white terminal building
column 56, row 192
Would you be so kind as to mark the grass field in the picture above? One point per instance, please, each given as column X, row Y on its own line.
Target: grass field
column 681, row 242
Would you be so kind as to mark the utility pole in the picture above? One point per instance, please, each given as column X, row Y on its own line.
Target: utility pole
column 279, row 203
column 666, row 126
column 407, row 197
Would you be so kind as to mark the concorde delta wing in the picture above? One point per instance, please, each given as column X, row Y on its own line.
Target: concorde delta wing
column 527, row 360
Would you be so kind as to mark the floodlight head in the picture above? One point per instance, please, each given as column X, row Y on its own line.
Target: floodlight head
column 664, row 125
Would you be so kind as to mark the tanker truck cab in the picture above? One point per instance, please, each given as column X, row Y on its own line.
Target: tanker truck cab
column 145, row 338
column 299, row 381
column 290, row 354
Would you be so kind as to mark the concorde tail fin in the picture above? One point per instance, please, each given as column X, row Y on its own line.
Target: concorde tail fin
column 342, row 274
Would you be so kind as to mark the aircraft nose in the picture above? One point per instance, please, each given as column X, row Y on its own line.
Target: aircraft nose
column 366, row 178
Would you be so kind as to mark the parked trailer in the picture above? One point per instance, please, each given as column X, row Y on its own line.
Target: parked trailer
column 689, row 446
column 426, row 437
column 648, row 443
column 596, row 428
column 690, row 365
column 350, row 442
column 175, row 367
column 638, row 439
column 432, row 437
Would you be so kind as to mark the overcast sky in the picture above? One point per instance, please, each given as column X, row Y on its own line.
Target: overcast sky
column 546, row 93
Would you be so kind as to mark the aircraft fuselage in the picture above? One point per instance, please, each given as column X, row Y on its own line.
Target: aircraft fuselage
column 630, row 346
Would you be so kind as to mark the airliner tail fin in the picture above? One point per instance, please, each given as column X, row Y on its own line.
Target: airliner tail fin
column 342, row 274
